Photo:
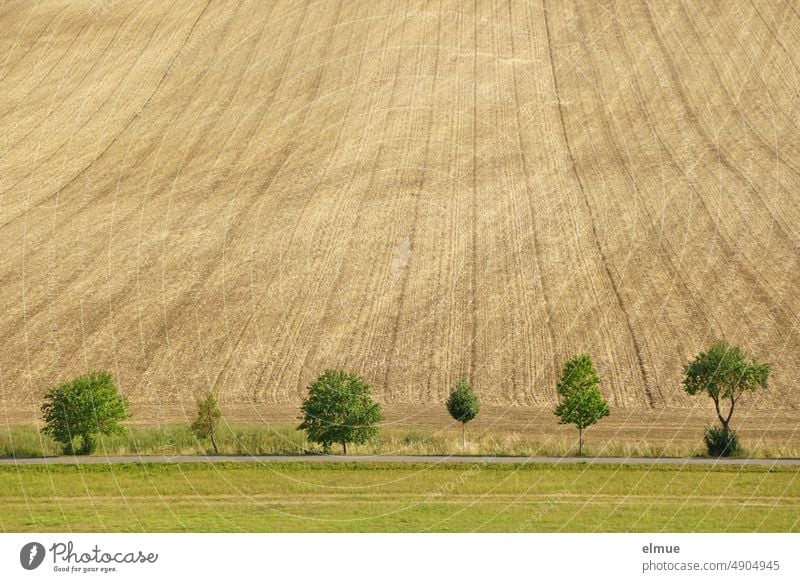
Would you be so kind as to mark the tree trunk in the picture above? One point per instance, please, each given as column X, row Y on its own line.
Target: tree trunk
column 88, row 444
column 727, row 421
column 463, row 435
column 722, row 420
column 344, row 446
column 214, row 443
column 580, row 442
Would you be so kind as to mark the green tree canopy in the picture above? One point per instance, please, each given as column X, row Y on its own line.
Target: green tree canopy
column 463, row 405
column 339, row 409
column 208, row 415
column 86, row 406
column 725, row 373
column 580, row 401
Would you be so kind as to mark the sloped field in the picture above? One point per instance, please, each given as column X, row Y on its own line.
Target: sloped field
column 238, row 195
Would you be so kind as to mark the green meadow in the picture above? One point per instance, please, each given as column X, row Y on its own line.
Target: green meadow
column 308, row 497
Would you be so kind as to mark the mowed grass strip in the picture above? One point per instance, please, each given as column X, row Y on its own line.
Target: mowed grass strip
column 301, row 497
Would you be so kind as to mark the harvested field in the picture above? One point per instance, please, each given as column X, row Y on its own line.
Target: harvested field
column 237, row 196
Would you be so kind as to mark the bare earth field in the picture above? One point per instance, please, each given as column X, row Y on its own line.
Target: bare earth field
column 238, row 195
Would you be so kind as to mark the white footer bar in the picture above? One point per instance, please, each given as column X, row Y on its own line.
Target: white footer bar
column 389, row 557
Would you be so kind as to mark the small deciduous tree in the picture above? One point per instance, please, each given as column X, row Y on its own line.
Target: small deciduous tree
column 87, row 406
column 580, row 400
column 339, row 409
column 463, row 406
column 724, row 373
column 208, row 415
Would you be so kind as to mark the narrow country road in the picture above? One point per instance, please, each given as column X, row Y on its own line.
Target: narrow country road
column 71, row 460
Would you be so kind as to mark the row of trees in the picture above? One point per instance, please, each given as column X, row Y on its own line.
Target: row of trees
column 339, row 408
column 580, row 401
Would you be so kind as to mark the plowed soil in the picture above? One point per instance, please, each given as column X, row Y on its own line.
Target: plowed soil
column 237, row 195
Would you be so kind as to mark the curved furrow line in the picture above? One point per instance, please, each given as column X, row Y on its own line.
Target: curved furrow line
column 283, row 154
column 44, row 29
column 516, row 238
column 754, row 64
column 313, row 98
column 474, row 231
column 162, row 353
column 752, row 276
column 760, row 287
column 244, row 215
column 460, row 302
column 395, row 285
column 789, row 54
column 636, row 342
column 391, row 354
column 205, row 277
column 691, row 116
column 229, row 93
column 596, row 293
column 46, row 96
column 209, row 259
column 328, row 307
column 415, row 216
column 257, row 199
column 263, row 107
column 75, row 275
column 537, row 243
column 76, row 86
column 271, row 94
column 116, row 137
column 202, row 277
column 664, row 250
column 116, row 298
column 792, row 81
column 372, row 185
column 756, row 281
column 754, row 129
column 259, row 379
column 598, row 108
column 279, row 368
column 757, row 276
column 441, row 328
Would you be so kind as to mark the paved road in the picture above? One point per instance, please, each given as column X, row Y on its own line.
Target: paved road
column 396, row 459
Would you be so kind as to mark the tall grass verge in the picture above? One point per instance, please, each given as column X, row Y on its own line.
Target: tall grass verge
column 22, row 441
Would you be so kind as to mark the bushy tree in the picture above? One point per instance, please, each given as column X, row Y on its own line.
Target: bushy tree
column 580, row 400
column 87, row 406
column 208, row 415
column 339, row 409
column 463, row 406
column 724, row 373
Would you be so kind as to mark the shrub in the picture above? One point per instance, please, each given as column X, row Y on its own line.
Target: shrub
column 721, row 442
